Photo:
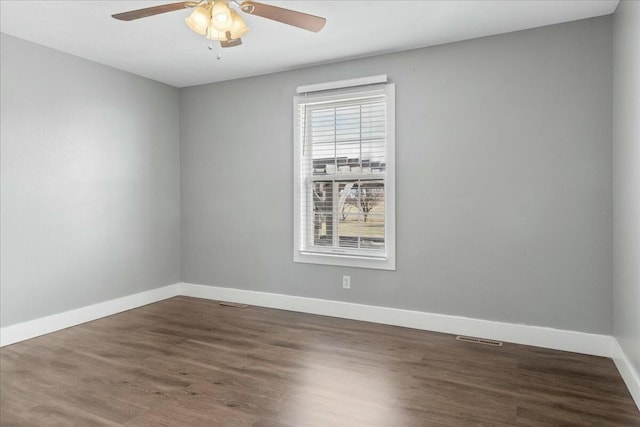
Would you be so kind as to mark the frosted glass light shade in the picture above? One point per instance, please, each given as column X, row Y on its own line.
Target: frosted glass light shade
column 238, row 29
column 212, row 34
column 199, row 20
column 221, row 16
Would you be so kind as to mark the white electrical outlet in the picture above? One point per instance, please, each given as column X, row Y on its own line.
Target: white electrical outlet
column 346, row 282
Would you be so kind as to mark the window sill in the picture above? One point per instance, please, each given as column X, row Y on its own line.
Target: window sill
column 344, row 260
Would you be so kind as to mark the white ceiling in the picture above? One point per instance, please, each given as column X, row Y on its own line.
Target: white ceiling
column 164, row 49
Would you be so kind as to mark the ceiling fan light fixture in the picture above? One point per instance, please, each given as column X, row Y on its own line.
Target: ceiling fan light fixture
column 199, row 19
column 221, row 18
column 216, row 20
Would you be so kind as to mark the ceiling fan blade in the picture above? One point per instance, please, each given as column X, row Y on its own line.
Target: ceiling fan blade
column 150, row 11
column 286, row 16
column 230, row 43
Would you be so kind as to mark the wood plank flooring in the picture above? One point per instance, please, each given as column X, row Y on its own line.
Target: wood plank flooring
column 192, row 362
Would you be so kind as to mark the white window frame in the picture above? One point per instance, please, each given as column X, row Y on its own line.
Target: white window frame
column 334, row 256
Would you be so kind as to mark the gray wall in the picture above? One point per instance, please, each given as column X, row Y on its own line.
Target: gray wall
column 504, row 206
column 504, row 182
column 626, row 179
column 90, row 202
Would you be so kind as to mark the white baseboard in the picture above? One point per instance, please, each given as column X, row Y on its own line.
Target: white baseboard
column 44, row 325
column 629, row 374
column 557, row 339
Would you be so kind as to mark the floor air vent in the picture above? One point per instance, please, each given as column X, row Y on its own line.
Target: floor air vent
column 233, row 304
column 479, row 341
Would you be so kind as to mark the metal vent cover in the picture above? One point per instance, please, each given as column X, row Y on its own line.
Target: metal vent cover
column 233, row 304
column 483, row 341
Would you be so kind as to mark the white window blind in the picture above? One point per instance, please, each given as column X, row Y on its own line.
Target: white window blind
column 344, row 177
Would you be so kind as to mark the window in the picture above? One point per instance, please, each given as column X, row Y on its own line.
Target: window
column 344, row 199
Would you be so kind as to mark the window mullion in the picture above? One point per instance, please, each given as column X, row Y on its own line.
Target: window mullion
column 334, row 210
column 360, row 209
column 359, row 182
column 310, row 214
column 308, row 171
column 360, row 137
column 335, row 138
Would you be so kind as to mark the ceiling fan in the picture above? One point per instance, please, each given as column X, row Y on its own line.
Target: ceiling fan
column 217, row 20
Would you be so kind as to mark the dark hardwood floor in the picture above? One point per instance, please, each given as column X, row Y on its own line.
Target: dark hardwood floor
column 191, row 362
